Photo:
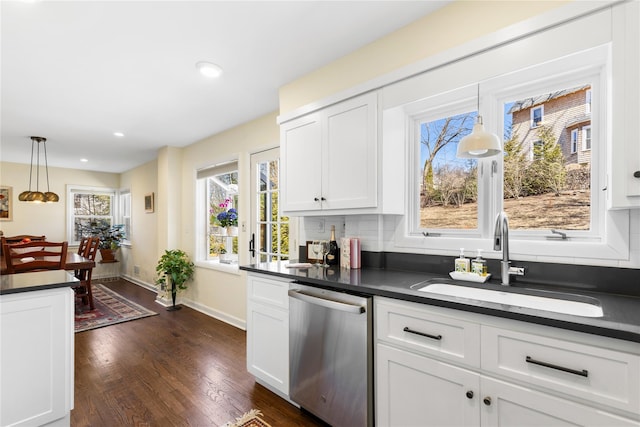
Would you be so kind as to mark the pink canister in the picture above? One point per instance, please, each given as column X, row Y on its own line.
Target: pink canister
column 355, row 253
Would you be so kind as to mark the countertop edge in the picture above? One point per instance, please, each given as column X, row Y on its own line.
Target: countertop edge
column 567, row 322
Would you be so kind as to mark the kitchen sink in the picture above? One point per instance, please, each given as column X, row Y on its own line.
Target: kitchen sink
column 553, row 304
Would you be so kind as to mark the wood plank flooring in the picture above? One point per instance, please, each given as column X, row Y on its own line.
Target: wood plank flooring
column 180, row 368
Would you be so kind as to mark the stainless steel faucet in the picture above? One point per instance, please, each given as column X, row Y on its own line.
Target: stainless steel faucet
column 501, row 242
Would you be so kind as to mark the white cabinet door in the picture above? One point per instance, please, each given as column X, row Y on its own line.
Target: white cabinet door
column 350, row 154
column 625, row 152
column 301, row 167
column 414, row 390
column 36, row 357
column 268, row 345
column 268, row 332
column 329, row 158
column 507, row 405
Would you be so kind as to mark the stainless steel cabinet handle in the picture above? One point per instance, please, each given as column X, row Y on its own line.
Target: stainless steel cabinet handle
column 315, row 199
column 423, row 334
column 469, row 394
column 582, row 373
column 487, row 401
column 636, row 174
column 328, row 303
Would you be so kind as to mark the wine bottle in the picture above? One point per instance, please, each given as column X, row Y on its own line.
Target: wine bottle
column 334, row 252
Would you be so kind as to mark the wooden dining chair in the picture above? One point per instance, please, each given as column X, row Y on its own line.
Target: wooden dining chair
column 35, row 256
column 89, row 251
column 18, row 239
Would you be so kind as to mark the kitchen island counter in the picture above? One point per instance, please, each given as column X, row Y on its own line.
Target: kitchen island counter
column 36, row 281
column 621, row 313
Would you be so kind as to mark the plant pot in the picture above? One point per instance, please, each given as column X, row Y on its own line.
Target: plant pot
column 108, row 255
column 221, row 231
column 232, row 231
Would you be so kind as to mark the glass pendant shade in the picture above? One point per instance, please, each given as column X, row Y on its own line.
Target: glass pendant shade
column 38, row 196
column 479, row 143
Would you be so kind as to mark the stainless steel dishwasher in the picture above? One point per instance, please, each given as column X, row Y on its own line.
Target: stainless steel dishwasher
column 331, row 361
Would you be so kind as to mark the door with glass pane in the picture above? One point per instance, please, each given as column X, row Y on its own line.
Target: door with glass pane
column 269, row 231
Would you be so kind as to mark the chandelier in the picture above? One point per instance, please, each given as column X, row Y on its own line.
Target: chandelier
column 38, row 196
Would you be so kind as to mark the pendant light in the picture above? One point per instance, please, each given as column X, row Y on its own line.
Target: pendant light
column 479, row 143
column 38, row 196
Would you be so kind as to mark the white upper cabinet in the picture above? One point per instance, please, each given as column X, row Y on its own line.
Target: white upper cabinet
column 330, row 159
column 625, row 153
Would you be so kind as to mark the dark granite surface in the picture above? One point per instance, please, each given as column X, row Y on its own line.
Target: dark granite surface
column 621, row 317
column 27, row 282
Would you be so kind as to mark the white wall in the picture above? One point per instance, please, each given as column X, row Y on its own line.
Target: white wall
column 140, row 258
column 215, row 291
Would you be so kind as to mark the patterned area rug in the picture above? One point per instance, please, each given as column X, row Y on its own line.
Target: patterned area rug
column 111, row 308
column 250, row 419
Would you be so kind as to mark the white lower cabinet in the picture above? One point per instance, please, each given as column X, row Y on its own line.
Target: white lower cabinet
column 268, row 332
column 528, row 375
column 414, row 390
column 37, row 358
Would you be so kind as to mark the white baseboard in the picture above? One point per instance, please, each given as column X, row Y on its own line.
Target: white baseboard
column 216, row 314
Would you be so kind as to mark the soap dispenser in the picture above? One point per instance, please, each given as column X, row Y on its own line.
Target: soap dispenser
column 462, row 264
column 479, row 265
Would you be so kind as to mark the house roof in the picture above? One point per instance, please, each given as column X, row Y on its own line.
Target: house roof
column 523, row 104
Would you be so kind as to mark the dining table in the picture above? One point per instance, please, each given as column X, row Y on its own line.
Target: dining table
column 74, row 262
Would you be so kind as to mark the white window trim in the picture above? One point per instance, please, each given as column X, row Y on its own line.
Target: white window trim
column 123, row 192
column 201, row 226
column 587, row 102
column 573, row 140
column 533, row 109
column 614, row 244
column 584, row 138
column 89, row 189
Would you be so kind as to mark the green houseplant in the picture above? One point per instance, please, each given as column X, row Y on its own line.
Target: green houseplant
column 175, row 265
column 111, row 237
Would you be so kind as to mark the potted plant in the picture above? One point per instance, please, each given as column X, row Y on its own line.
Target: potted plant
column 111, row 237
column 228, row 219
column 178, row 268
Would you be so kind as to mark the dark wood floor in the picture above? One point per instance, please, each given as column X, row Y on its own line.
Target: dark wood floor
column 180, row 368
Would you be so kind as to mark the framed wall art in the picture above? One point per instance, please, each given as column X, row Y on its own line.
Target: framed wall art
column 148, row 203
column 6, row 203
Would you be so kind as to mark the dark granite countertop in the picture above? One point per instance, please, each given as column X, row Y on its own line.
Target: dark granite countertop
column 621, row 313
column 36, row 281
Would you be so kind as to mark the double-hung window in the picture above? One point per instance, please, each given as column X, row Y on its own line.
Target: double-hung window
column 87, row 207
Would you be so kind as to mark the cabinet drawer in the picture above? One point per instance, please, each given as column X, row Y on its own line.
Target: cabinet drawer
column 269, row 291
column 414, row 327
column 598, row 374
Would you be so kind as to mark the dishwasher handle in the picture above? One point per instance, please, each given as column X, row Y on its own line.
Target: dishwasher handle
column 327, row 303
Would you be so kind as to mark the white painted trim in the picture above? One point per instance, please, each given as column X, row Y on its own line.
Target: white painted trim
column 220, row 315
column 216, row 314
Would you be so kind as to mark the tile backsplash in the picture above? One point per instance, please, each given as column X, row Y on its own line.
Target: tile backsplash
column 376, row 233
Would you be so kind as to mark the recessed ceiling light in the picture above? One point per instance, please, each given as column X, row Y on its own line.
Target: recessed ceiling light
column 119, row 134
column 84, row 160
column 209, row 69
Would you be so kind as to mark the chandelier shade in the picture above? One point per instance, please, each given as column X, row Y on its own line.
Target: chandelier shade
column 38, row 196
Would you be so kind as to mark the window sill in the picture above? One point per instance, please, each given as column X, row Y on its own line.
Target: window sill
column 214, row 265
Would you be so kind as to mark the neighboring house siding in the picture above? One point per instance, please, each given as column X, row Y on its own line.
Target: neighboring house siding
column 562, row 114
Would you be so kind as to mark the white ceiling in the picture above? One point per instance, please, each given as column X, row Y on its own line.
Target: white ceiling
column 75, row 72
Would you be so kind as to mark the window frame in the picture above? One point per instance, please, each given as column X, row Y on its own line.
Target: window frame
column 201, row 220
column 573, row 138
column 73, row 189
column 587, row 142
column 535, row 124
column 124, row 212
column 610, row 241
